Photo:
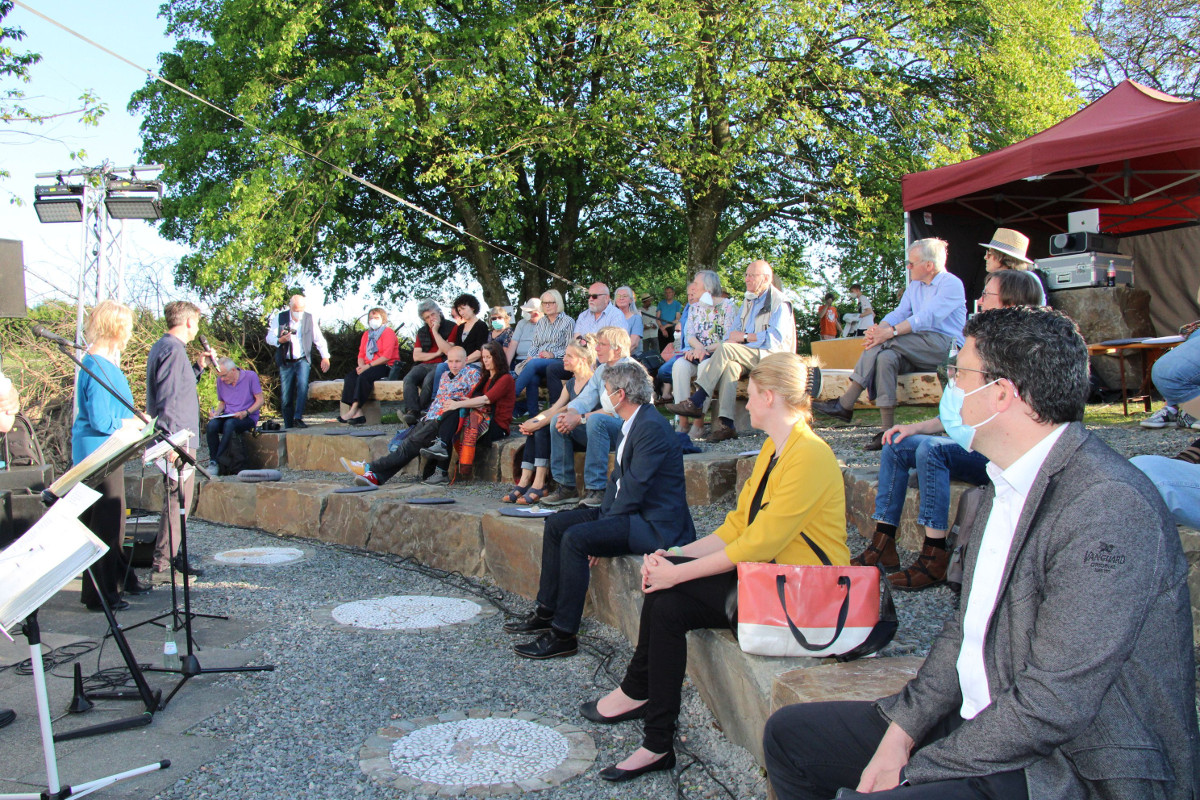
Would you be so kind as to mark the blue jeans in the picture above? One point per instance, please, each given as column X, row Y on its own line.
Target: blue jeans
column 530, row 382
column 664, row 372
column 1177, row 374
column 598, row 436
column 293, row 388
column 220, row 431
column 937, row 461
column 568, row 538
column 537, row 449
column 1179, row 484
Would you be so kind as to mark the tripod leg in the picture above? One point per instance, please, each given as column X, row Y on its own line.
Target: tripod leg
column 34, row 634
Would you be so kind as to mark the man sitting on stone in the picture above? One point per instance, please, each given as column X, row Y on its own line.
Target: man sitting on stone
column 1067, row 670
column 589, row 424
column 418, row 383
column 764, row 326
column 239, row 397
column 916, row 337
column 644, row 509
column 456, row 385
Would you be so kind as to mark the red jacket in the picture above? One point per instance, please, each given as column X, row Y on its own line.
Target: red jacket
column 389, row 346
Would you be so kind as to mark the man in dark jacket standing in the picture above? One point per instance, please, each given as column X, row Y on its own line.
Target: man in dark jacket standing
column 171, row 397
column 1067, row 670
column 644, row 509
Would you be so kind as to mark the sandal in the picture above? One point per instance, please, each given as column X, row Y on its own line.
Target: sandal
column 531, row 496
column 514, row 495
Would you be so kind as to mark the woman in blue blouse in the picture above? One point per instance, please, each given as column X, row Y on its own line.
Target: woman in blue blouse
column 99, row 415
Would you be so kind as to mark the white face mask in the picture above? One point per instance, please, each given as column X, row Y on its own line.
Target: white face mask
column 606, row 403
column 751, row 296
column 705, row 299
column 374, row 323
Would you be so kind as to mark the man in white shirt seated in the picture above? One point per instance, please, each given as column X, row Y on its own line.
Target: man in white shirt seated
column 1067, row 670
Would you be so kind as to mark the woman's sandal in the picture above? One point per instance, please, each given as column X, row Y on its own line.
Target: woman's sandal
column 514, row 495
column 531, row 496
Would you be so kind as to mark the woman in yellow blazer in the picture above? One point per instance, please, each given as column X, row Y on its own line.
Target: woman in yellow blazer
column 796, row 486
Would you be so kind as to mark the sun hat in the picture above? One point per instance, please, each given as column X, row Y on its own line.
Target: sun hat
column 532, row 304
column 1009, row 242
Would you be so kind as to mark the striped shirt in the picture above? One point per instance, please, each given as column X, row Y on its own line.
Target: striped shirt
column 552, row 336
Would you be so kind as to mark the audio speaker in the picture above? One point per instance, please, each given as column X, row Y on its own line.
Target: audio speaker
column 1066, row 244
column 12, row 278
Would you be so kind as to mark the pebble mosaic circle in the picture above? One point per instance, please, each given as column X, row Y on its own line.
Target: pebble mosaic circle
column 478, row 753
column 260, row 556
column 405, row 612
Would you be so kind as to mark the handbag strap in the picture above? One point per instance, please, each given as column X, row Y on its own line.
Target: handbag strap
column 843, row 612
column 756, row 502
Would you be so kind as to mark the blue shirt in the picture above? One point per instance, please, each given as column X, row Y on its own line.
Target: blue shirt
column 634, row 326
column 610, row 317
column 939, row 306
column 668, row 311
column 772, row 337
column 588, row 398
column 100, row 414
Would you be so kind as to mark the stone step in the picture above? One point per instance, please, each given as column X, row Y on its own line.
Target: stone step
column 864, row 679
column 862, row 485
column 912, row 389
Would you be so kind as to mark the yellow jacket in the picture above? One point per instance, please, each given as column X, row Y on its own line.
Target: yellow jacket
column 804, row 492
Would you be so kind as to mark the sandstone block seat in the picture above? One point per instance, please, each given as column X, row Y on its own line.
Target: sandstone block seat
column 912, row 389
column 385, row 391
column 862, row 484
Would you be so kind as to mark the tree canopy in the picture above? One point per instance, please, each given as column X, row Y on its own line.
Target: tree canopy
column 586, row 139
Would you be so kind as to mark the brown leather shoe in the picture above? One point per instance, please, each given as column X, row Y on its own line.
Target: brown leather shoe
column 881, row 552
column 928, row 570
column 684, row 409
column 721, row 433
column 833, row 409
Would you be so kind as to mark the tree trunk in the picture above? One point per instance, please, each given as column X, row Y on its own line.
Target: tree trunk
column 703, row 224
column 477, row 252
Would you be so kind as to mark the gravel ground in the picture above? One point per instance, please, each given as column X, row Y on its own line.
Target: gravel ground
column 297, row 732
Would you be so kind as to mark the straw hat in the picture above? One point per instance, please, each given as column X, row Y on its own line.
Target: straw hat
column 1009, row 242
column 645, row 296
column 532, row 304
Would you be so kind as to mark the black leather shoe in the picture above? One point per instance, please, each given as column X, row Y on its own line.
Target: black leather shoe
column 117, row 606
column 134, row 587
column 615, row 774
column 299, row 424
column 876, row 443
column 589, row 711
column 186, row 568
column 549, row 645
column 7, row 715
column 530, row 623
column 833, row 409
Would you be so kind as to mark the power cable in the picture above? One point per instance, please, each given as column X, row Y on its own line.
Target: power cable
column 293, row 146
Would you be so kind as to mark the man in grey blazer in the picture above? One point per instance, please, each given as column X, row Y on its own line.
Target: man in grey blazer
column 1067, row 670
column 644, row 509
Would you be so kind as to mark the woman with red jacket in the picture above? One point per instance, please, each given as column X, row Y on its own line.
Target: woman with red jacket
column 377, row 352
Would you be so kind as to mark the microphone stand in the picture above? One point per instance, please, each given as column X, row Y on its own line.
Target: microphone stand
column 189, row 665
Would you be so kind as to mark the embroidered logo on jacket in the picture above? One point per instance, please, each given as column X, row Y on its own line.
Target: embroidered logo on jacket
column 1104, row 558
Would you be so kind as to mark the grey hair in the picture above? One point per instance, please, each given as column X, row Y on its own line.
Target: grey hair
column 428, row 305
column 632, row 378
column 711, row 281
column 632, row 296
column 930, row 250
column 226, row 363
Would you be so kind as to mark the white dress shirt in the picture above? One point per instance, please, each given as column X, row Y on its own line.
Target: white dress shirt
column 1012, row 487
column 296, row 343
column 624, row 437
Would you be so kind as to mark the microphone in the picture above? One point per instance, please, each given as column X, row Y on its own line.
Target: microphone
column 204, row 342
column 49, row 335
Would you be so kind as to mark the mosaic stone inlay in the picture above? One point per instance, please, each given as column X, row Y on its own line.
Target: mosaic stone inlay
column 405, row 612
column 478, row 753
column 260, row 556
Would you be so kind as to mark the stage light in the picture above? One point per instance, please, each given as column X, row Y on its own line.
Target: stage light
column 58, row 203
column 134, row 199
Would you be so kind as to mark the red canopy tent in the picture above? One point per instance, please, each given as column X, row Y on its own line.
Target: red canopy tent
column 1134, row 154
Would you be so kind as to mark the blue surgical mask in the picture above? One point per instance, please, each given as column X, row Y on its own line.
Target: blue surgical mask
column 497, row 324
column 950, row 413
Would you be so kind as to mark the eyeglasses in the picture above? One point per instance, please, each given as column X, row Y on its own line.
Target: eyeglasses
column 988, row 294
column 548, row 303
column 594, row 296
column 952, row 370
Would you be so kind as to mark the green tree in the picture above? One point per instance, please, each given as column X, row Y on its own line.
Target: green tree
column 1152, row 42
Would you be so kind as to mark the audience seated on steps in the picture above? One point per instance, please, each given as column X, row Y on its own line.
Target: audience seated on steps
column 796, row 488
column 550, row 337
column 482, row 417
column 580, row 361
column 461, row 378
column 378, row 352
column 1026, row 692
column 418, row 383
column 531, row 314
column 644, row 509
column 764, row 325
column 710, row 316
column 601, row 312
column 470, row 333
column 588, row 424
column 937, row 459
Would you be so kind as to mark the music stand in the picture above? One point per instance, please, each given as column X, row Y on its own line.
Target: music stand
column 35, row 569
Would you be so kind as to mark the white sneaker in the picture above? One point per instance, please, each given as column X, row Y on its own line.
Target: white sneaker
column 358, row 468
column 1186, row 420
column 1160, row 419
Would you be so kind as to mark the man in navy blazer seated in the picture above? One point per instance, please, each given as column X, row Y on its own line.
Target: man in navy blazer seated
column 1067, row 670
column 644, row 509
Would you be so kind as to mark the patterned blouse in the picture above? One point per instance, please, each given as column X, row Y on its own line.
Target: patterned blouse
column 710, row 324
column 552, row 336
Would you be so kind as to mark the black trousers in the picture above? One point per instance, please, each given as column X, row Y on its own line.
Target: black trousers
column 106, row 519
column 814, row 749
column 568, row 538
column 659, row 663
column 357, row 388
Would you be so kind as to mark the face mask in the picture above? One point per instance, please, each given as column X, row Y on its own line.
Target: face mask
column 374, row 324
column 606, row 403
column 705, row 299
column 497, row 324
column 751, row 296
column 950, row 414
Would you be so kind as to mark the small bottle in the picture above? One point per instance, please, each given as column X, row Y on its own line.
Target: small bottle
column 1112, row 274
column 170, row 649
